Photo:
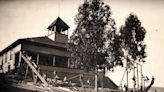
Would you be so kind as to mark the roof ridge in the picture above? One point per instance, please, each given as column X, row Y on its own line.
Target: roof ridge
column 32, row 37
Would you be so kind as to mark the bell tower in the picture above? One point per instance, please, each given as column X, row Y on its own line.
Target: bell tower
column 58, row 30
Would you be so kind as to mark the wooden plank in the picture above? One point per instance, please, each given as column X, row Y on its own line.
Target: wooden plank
column 35, row 71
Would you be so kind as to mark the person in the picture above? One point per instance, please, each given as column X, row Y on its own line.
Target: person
column 9, row 67
column 65, row 79
column 35, row 76
column 150, row 85
column 65, row 82
column 33, row 63
column 81, row 80
column 44, row 76
column 54, row 80
column 55, row 75
column 126, row 88
column 54, row 72
column 29, row 57
column 88, row 81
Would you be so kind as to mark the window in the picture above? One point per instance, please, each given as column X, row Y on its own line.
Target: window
column 11, row 54
column 61, row 61
column 2, row 58
column 1, row 62
column 6, row 57
column 45, row 59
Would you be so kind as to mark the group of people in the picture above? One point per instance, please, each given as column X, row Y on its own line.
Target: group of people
column 55, row 80
column 51, row 81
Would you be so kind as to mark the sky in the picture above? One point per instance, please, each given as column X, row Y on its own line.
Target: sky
column 30, row 18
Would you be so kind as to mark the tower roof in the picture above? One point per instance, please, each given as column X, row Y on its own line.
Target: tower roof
column 59, row 23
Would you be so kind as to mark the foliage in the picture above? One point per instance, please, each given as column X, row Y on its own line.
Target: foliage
column 95, row 30
column 132, row 35
column 116, row 54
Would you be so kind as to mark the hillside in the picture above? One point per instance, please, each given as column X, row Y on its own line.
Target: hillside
column 156, row 89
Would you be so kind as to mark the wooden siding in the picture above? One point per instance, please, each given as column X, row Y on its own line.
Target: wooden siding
column 8, row 59
column 61, row 38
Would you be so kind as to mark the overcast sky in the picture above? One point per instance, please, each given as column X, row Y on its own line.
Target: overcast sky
column 30, row 18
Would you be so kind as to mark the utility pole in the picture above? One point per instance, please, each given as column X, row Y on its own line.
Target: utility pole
column 96, row 78
column 137, row 79
column 103, row 76
column 141, row 85
column 127, row 75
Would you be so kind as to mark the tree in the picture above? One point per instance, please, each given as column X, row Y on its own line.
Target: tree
column 95, row 30
column 132, row 35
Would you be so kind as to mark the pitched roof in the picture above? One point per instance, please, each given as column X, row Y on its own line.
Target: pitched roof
column 59, row 22
column 108, row 83
column 44, row 40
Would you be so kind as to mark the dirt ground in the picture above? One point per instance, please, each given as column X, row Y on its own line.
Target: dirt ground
column 7, row 84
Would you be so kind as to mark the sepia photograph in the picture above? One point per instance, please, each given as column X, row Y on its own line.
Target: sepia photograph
column 81, row 46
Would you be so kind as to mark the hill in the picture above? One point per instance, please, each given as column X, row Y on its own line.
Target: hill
column 156, row 89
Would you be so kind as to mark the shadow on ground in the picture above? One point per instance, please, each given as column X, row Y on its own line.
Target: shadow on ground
column 8, row 85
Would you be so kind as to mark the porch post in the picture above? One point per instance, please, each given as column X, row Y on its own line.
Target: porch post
column 20, row 54
column 53, row 60
column 37, row 59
